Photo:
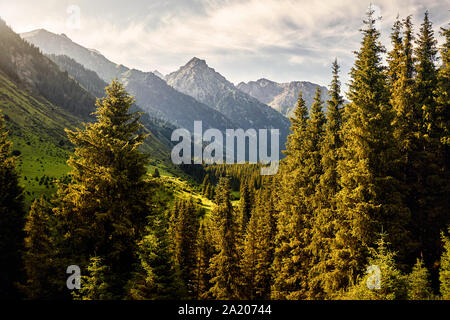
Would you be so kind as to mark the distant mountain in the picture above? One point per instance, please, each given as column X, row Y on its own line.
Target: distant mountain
column 282, row 96
column 51, row 43
column 91, row 81
column 42, row 99
column 206, row 85
column 159, row 74
column 152, row 93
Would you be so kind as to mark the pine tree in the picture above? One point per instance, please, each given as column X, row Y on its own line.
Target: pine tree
column 38, row 257
column 313, row 172
column 245, row 206
column 94, row 286
column 426, row 78
column 12, row 218
column 370, row 199
column 156, row 173
column 103, row 210
column 185, row 240
column 258, row 248
column 204, row 253
column 383, row 280
column 419, row 287
column 322, row 273
column 431, row 189
column 291, row 260
column 156, row 276
column 224, row 265
column 444, row 272
column 443, row 97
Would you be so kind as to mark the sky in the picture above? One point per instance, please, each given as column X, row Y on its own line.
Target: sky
column 244, row 40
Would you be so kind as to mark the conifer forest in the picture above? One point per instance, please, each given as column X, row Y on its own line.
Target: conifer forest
column 93, row 208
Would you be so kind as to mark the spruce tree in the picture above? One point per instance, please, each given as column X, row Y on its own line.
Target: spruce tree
column 444, row 271
column 426, row 78
column 245, row 206
column 95, row 285
column 39, row 252
column 103, row 210
column 370, row 198
column 322, row 273
column 313, row 172
column 205, row 252
column 12, row 218
column 258, row 248
column 383, row 280
column 419, row 287
column 185, row 241
column 291, row 259
column 224, row 265
column 431, row 189
column 156, row 276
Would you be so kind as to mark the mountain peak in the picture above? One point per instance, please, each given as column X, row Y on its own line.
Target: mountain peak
column 197, row 62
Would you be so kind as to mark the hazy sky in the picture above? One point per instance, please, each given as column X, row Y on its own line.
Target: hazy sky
column 281, row 40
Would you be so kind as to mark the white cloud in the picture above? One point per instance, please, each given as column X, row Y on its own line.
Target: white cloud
column 244, row 40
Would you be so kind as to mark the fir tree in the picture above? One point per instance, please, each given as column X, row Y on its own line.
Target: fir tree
column 224, row 265
column 258, row 249
column 383, row 280
column 94, row 286
column 444, row 272
column 426, row 78
column 39, row 252
column 103, row 210
column 291, row 259
column 156, row 276
column 419, row 287
column 322, row 273
column 12, row 218
column 370, row 198
column 245, row 206
column 185, row 240
column 431, row 189
column 204, row 253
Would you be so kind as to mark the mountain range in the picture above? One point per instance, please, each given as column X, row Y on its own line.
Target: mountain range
column 208, row 86
column 152, row 93
column 282, row 96
column 39, row 99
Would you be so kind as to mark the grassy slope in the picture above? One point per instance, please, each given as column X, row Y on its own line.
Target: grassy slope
column 37, row 131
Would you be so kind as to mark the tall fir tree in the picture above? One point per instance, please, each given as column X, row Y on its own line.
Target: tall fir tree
column 426, row 78
column 39, row 251
column 322, row 273
column 432, row 191
column 314, row 171
column 245, row 205
column 103, row 210
column 12, row 219
column 185, row 241
column 291, row 259
column 224, row 265
column 258, row 248
column 156, row 276
column 205, row 252
column 370, row 198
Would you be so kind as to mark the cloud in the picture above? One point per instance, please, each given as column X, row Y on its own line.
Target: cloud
column 277, row 39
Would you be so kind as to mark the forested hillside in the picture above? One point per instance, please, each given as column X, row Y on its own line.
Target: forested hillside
column 359, row 209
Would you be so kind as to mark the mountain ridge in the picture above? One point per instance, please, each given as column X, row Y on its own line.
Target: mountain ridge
column 282, row 96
